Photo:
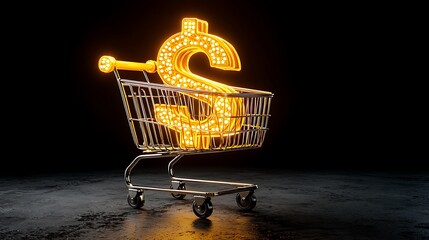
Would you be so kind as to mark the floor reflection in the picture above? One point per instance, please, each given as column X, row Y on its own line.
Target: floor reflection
column 177, row 221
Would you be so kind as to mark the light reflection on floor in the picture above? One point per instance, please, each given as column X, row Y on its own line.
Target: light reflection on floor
column 179, row 222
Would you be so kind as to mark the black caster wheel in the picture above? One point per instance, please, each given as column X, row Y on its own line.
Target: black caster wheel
column 179, row 195
column 137, row 201
column 204, row 210
column 246, row 203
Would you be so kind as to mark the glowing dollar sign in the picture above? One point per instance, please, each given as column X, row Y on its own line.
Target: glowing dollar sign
column 173, row 68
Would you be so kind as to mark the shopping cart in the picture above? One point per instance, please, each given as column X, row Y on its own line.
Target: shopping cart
column 159, row 139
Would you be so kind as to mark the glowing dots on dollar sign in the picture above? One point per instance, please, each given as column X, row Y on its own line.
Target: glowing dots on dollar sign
column 173, row 68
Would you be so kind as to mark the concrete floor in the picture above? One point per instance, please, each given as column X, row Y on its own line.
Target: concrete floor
column 290, row 205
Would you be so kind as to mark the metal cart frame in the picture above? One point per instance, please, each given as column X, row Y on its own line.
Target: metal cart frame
column 157, row 140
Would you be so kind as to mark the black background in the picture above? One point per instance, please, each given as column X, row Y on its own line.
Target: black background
column 344, row 95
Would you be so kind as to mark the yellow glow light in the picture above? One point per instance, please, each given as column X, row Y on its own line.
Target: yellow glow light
column 106, row 64
column 173, row 68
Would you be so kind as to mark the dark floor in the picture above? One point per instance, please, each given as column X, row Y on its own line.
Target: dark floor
column 290, row 205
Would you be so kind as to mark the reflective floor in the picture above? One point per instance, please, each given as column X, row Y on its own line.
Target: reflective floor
column 290, row 205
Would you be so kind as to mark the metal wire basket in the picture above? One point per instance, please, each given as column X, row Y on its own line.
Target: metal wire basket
column 141, row 99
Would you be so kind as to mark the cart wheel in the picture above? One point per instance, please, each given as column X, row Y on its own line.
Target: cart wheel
column 137, row 201
column 204, row 210
column 246, row 203
column 179, row 195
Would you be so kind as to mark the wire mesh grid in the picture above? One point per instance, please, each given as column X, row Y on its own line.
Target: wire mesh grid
column 190, row 129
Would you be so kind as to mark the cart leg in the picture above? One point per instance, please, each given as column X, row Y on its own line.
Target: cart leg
column 127, row 174
column 135, row 195
column 171, row 165
column 179, row 185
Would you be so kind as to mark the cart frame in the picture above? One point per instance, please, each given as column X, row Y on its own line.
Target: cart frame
column 157, row 141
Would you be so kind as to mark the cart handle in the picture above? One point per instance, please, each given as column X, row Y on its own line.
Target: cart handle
column 107, row 64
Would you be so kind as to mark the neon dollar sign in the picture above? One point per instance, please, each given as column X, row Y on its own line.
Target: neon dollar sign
column 173, row 68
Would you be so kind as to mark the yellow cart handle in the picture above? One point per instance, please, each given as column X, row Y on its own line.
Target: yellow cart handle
column 107, row 64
